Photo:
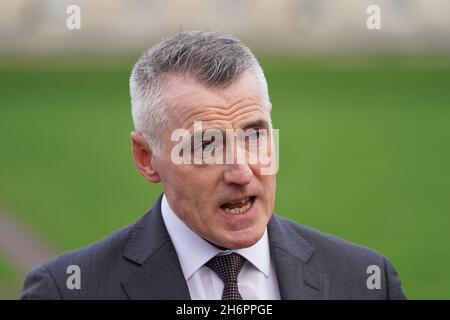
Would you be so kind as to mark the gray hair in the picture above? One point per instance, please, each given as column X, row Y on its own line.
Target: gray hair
column 212, row 58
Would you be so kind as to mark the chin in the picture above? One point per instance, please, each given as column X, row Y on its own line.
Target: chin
column 243, row 240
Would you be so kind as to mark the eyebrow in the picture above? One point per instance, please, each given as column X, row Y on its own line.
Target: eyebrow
column 256, row 124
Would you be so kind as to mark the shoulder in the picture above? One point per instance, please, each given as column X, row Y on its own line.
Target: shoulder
column 105, row 250
column 330, row 245
column 348, row 266
column 103, row 266
column 98, row 266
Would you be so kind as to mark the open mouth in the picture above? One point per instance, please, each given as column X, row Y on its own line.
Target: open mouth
column 239, row 206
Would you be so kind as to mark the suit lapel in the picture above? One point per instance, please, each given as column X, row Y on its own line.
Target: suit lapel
column 159, row 275
column 160, row 278
column 291, row 253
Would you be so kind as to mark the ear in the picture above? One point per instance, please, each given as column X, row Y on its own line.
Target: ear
column 143, row 157
column 269, row 107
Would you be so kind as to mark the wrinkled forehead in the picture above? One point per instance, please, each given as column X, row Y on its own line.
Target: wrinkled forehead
column 186, row 100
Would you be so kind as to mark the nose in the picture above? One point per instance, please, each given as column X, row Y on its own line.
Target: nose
column 240, row 174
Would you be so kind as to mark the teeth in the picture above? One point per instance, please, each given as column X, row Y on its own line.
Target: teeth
column 240, row 201
column 240, row 210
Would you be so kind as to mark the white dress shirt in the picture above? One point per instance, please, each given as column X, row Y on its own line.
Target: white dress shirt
column 257, row 279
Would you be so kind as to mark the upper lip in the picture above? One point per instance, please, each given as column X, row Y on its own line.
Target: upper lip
column 238, row 199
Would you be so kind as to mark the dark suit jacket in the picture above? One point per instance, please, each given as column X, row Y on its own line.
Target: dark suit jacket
column 140, row 262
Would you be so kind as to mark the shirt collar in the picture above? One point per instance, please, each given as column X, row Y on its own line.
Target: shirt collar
column 193, row 251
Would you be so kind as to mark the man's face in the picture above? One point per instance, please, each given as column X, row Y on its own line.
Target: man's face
column 203, row 195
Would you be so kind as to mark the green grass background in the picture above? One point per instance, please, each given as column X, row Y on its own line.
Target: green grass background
column 364, row 155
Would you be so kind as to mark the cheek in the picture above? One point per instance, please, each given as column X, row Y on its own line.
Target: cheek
column 192, row 183
column 268, row 184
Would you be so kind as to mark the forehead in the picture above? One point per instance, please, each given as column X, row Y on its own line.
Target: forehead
column 187, row 100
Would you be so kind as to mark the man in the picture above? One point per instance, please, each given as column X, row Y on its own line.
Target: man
column 212, row 234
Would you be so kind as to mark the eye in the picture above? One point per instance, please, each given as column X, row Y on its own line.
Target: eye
column 206, row 146
column 255, row 135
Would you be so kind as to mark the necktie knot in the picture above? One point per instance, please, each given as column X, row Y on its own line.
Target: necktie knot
column 228, row 267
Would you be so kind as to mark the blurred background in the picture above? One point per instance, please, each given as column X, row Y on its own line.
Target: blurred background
column 364, row 119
